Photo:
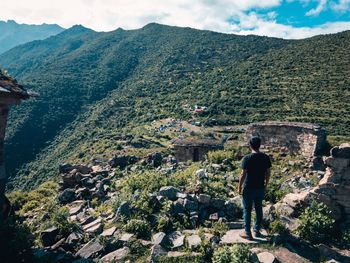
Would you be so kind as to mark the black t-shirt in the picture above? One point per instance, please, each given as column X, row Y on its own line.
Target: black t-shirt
column 256, row 165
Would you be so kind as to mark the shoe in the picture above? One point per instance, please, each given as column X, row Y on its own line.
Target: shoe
column 246, row 235
column 258, row 234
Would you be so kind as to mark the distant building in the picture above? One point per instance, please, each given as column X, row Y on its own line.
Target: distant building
column 194, row 149
column 11, row 93
column 296, row 137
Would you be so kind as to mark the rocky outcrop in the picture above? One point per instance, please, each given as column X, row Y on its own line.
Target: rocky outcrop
column 333, row 189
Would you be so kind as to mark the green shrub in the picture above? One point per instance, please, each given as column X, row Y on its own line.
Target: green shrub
column 274, row 193
column 235, row 254
column 138, row 227
column 219, row 228
column 277, row 227
column 220, row 156
column 315, row 223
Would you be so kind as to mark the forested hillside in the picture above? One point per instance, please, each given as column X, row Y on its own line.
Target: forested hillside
column 13, row 34
column 95, row 86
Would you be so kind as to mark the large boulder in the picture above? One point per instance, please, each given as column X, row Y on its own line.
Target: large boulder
column 91, row 249
column 123, row 210
column 117, row 255
column 67, row 196
column 49, row 236
column 169, row 192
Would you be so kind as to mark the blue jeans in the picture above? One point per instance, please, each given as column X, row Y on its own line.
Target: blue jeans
column 251, row 196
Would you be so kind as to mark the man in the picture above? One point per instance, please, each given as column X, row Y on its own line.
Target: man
column 254, row 179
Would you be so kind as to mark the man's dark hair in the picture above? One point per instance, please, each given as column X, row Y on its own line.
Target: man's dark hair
column 255, row 142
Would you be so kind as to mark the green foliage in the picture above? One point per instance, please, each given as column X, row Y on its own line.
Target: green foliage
column 274, row 192
column 27, row 201
column 219, row 228
column 277, row 227
column 114, row 81
column 140, row 228
column 315, row 223
column 219, row 156
column 234, row 254
column 182, row 259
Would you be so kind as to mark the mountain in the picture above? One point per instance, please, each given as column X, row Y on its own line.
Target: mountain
column 13, row 34
column 96, row 86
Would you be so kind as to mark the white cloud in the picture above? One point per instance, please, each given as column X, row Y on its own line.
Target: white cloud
column 216, row 15
column 341, row 6
column 318, row 9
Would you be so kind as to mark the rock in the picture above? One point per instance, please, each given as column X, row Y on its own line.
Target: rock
column 194, row 241
column 123, row 210
column 214, row 217
column 91, row 249
column 326, row 252
column 232, row 237
column 201, row 174
column 73, row 239
column 266, row 257
column 94, row 227
column 157, row 251
column 177, row 208
column 75, row 210
column 216, row 166
column 125, row 237
column 176, row 239
column 65, row 168
column 116, row 255
column 49, row 236
column 285, row 256
column 181, row 195
column 217, row 203
column 181, row 255
column 156, row 159
column 232, row 209
column 169, row 192
column 342, row 151
column 159, row 239
column 190, row 205
column 204, row 199
column 109, row 232
column 67, row 196
column 318, row 163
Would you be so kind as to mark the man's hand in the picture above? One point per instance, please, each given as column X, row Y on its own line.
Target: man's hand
column 241, row 181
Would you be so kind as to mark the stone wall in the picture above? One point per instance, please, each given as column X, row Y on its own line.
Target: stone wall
column 297, row 138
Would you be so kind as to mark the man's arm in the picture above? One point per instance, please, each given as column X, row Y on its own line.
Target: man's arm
column 267, row 176
column 241, row 180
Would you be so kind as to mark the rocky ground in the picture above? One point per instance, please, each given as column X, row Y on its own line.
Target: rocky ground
column 154, row 209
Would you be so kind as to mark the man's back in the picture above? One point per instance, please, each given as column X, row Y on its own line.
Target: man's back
column 256, row 164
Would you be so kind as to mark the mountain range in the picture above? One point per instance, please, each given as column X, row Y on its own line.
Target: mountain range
column 13, row 34
column 95, row 86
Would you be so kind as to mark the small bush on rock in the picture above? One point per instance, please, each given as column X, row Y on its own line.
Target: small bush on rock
column 277, row 227
column 138, row 227
column 235, row 254
column 316, row 224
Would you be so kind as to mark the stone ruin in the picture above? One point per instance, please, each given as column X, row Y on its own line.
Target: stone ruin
column 295, row 137
column 194, row 149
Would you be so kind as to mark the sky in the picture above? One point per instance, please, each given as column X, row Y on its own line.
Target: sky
column 291, row 19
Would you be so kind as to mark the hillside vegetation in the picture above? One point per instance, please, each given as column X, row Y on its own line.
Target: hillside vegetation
column 96, row 86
